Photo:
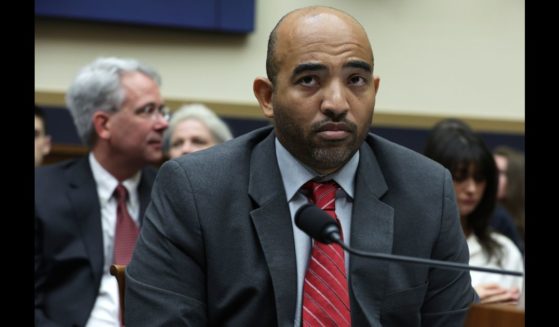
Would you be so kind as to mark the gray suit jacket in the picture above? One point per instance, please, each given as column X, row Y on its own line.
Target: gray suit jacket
column 217, row 249
column 69, row 241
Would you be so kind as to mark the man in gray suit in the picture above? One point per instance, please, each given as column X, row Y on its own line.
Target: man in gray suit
column 219, row 246
column 118, row 110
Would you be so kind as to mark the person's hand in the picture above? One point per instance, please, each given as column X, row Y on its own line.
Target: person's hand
column 493, row 293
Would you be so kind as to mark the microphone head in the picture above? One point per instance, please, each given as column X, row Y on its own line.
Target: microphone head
column 316, row 223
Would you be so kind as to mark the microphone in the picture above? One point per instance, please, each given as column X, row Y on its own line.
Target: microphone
column 319, row 225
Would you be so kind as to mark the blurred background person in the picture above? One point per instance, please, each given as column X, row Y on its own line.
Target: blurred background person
column 501, row 221
column 42, row 139
column 475, row 179
column 194, row 127
column 444, row 126
column 510, row 194
column 88, row 210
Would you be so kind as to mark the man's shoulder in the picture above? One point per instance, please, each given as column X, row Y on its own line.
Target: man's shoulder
column 389, row 153
column 236, row 150
column 60, row 168
column 246, row 141
column 226, row 163
column 401, row 166
column 53, row 180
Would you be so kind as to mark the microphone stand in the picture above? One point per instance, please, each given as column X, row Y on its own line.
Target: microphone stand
column 319, row 225
column 435, row 263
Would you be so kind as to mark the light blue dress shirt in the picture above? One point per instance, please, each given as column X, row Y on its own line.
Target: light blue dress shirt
column 294, row 175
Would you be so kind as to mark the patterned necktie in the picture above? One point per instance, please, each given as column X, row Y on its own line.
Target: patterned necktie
column 126, row 230
column 325, row 291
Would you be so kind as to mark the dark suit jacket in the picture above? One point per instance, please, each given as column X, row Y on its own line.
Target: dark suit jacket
column 217, row 249
column 69, row 241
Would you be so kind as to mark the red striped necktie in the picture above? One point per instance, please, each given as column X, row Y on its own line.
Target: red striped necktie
column 126, row 230
column 325, row 290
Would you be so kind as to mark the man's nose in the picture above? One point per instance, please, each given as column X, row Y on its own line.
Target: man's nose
column 334, row 103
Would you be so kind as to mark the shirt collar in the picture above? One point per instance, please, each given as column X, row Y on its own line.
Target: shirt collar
column 106, row 183
column 294, row 173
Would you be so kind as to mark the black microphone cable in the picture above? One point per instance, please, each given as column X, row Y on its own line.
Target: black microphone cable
column 319, row 225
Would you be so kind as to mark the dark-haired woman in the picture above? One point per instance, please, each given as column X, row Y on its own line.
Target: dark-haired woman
column 475, row 178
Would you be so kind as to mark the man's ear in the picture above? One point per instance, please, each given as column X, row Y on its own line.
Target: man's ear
column 101, row 124
column 263, row 89
column 47, row 143
column 376, row 83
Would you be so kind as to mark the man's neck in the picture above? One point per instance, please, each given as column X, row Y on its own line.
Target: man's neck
column 117, row 166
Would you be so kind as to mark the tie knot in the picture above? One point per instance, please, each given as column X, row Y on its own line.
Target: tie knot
column 121, row 193
column 322, row 194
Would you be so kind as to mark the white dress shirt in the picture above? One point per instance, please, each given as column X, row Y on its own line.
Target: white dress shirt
column 511, row 260
column 106, row 311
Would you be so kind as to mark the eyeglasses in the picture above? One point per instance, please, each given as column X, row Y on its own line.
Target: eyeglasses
column 151, row 110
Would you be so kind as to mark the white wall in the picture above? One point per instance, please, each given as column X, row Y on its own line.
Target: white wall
column 434, row 57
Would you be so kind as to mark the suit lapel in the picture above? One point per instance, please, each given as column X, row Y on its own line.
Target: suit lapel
column 372, row 231
column 272, row 222
column 83, row 196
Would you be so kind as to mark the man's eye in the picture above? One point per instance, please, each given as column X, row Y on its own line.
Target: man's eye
column 150, row 109
column 357, row 80
column 146, row 110
column 307, row 80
